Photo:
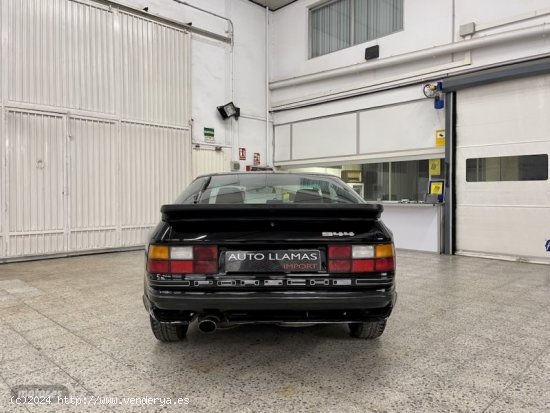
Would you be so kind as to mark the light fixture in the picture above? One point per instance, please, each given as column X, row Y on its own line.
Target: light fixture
column 229, row 110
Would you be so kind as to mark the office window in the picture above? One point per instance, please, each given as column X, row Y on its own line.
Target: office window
column 398, row 181
column 507, row 168
column 377, row 181
column 343, row 23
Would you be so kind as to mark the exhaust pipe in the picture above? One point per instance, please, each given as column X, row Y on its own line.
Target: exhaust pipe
column 208, row 324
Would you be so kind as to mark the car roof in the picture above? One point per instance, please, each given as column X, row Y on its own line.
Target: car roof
column 267, row 173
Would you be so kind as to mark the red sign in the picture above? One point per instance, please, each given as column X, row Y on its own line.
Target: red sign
column 256, row 158
column 242, row 154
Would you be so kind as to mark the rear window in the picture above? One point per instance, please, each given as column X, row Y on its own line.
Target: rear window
column 276, row 189
column 190, row 195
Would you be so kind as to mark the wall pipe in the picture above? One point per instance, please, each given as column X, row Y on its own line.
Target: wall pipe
column 232, row 31
column 466, row 45
column 266, row 83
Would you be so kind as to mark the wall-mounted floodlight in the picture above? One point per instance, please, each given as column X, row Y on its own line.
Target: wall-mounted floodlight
column 229, row 110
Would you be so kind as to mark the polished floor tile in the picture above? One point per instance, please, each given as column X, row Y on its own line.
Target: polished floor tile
column 467, row 335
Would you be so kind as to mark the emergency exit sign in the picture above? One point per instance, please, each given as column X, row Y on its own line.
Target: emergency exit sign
column 209, row 135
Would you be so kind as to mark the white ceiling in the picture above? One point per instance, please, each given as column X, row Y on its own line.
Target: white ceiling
column 273, row 4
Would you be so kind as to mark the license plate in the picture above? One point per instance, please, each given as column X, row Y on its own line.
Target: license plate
column 286, row 261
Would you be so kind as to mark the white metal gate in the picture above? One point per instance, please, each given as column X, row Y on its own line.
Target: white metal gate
column 210, row 160
column 503, row 215
column 95, row 133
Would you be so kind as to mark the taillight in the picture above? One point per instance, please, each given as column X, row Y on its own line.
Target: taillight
column 337, row 251
column 158, row 266
column 339, row 265
column 181, row 267
column 198, row 259
column 363, row 266
column 206, row 267
column 384, row 264
column 205, row 253
column 361, row 258
column 158, row 252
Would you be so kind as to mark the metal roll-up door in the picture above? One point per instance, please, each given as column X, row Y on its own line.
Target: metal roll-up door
column 502, row 169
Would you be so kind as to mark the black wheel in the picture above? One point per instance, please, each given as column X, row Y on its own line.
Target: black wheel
column 168, row 332
column 367, row 329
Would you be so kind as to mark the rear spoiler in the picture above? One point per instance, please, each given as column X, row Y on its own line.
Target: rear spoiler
column 179, row 213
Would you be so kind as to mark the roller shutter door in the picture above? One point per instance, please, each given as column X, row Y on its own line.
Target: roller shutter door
column 502, row 186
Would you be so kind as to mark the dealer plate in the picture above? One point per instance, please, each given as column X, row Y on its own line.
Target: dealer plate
column 286, row 261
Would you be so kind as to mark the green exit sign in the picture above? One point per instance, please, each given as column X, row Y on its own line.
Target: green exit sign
column 209, row 135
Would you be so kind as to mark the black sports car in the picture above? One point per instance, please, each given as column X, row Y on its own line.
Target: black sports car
column 265, row 247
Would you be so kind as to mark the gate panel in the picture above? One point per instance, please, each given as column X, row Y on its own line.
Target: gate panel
column 35, row 168
column 153, row 173
column 93, row 184
column 61, row 54
column 207, row 161
column 95, row 125
column 154, row 73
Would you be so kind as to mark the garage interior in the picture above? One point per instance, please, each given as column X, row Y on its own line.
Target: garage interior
column 109, row 109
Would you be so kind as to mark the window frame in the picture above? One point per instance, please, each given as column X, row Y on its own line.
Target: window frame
column 352, row 36
column 481, row 178
column 390, row 175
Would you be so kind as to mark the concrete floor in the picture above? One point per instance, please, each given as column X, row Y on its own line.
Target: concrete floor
column 467, row 335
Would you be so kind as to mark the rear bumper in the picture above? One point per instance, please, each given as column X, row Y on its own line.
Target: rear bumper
column 372, row 304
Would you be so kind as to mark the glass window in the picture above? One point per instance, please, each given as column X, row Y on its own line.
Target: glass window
column 409, row 180
column 258, row 188
column 507, row 168
column 376, row 18
column 399, row 181
column 190, row 195
column 377, row 181
column 343, row 23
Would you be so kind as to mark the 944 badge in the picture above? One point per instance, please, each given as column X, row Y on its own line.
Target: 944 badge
column 338, row 234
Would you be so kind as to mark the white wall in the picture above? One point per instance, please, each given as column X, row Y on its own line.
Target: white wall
column 369, row 127
column 289, row 37
column 427, row 24
column 220, row 74
column 494, row 11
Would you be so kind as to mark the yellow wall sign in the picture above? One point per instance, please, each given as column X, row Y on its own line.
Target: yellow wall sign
column 440, row 137
column 436, row 188
column 435, row 167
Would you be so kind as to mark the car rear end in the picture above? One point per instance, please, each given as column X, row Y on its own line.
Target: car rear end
column 273, row 263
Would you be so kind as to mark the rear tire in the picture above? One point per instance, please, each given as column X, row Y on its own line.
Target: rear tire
column 367, row 329
column 168, row 332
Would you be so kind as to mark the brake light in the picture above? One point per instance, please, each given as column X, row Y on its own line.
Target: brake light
column 384, row 264
column 206, row 267
column 198, row 259
column 181, row 267
column 336, row 251
column 339, row 265
column 361, row 258
column 158, row 266
column 205, row 252
column 363, row 266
